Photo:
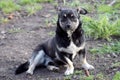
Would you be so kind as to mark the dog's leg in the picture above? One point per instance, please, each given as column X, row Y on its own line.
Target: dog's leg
column 83, row 60
column 38, row 59
column 70, row 67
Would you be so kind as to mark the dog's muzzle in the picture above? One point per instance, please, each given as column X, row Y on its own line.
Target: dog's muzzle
column 68, row 27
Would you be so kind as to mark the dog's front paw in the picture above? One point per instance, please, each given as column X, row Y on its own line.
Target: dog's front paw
column 87, row 66
column 29, row 72
column 53, row 68
column 69, row 71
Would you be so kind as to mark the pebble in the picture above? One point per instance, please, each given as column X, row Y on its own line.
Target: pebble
column 2, row 37
column 114, row 55
column 3, row 32
column 74, row 76
column 108, row 56
column 1, row 44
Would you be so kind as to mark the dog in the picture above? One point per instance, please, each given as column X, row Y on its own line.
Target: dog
column 68, row 41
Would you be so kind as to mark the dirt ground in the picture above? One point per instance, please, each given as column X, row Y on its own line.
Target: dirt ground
column 16, row 47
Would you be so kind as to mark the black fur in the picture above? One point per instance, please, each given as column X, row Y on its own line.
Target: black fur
column 22, row 68
column 82, row 52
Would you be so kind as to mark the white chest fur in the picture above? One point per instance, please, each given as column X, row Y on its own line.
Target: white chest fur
column 72, row 48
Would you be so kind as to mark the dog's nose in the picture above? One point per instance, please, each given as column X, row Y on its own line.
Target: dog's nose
column 68, row 26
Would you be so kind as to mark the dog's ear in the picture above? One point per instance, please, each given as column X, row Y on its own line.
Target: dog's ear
column 58, row 9
column 82, row 11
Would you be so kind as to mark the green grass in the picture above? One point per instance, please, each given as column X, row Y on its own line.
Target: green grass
column 32, row 6
column 26, row 2
column 113, row 47
column 33, row 9
column 4, row 20
column 81, row 76
column 51, row 33
column 42, row 1
column 78, row 72
column 105, row 8
column 91, row 77
column 116, row 76
column 14, row 30
column 117, row 64
column 52, row 21
column 8, row 6
column 102, row 27
column 67, row 77
column 101, row 76
column 29, row 2
column 77, row 3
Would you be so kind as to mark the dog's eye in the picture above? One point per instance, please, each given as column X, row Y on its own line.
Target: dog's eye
column 72, row 15
column 64, row 15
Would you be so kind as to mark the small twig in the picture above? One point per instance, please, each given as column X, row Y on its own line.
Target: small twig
column 113, row 2
column 87, row 73
column 64, row 2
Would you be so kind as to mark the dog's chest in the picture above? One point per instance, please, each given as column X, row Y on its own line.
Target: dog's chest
column 72, row 48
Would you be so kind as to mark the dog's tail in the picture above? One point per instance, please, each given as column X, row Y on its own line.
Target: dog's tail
column 22, row 68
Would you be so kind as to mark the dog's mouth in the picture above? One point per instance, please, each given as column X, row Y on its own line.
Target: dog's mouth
column 71, row 29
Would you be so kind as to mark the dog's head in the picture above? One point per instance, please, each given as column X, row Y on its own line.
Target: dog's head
column 69, row 19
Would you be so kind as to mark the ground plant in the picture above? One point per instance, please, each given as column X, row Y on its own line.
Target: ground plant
column 112, row 47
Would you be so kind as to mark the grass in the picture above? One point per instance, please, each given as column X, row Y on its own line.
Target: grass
column 42, row 1
column 68, row 77
column 8, row 6
column 29, row 2
column 26, row 2
column 14, row 30
column 105, row 8
column 102, row 28
column 4, row 20
column 91, row 77
column 81, row 76
column 101, row 76
column 77, row 3
column 113, row 47
column 51, row 21
column 33, row 9
column 51, row 33
column 78, row 72
column 117, row 64
column 116, row 76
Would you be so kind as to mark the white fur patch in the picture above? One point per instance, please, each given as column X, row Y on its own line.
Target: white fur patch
column 52, row 68
column 69, row 33
column 57, row 56
column 35, row 61
column 87, row 66
column 70, row 67
column 72, row 48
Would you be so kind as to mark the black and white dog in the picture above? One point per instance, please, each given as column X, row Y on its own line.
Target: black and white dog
column 69, row 41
